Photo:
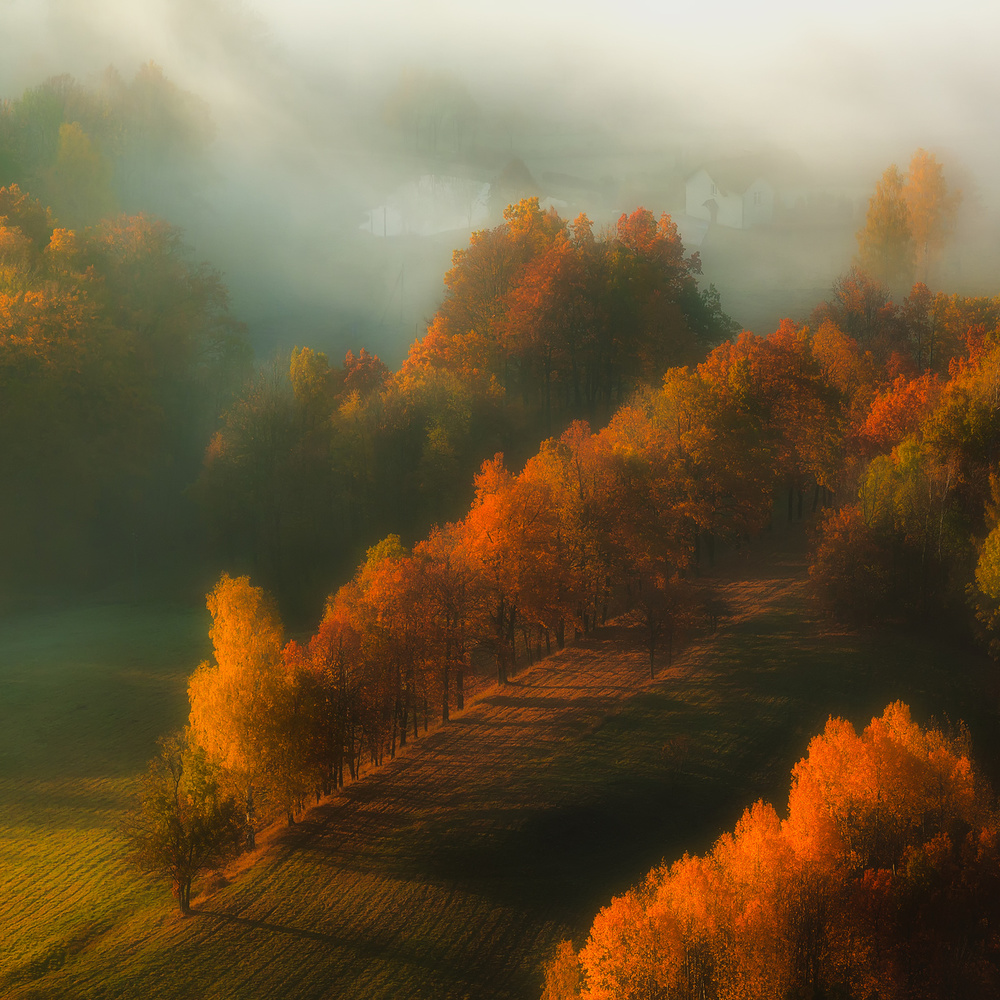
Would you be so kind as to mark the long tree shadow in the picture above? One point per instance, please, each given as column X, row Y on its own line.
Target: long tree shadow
column 263, row 925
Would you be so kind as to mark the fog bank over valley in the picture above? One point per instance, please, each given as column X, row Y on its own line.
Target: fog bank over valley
column 353, row 149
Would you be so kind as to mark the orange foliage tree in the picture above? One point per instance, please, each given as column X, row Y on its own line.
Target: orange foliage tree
column 114, row 352
column 565, row 323
column 778, row 391
column 511, row 537
column 240, row 703
column 881, row 881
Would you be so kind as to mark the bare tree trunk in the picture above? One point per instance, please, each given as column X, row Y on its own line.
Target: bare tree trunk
column 446, row 681
column 251, row 839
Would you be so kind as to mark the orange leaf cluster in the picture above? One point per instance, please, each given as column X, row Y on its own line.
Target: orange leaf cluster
column 881, row 882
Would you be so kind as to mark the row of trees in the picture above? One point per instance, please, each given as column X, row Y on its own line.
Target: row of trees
column 908, row 222
column 881, row 881
column 542, row 323
column 593, row 524
column 922, row 333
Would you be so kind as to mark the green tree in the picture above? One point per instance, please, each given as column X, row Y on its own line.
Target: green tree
column 184, row 823
column 79, row 183
column 985, row 593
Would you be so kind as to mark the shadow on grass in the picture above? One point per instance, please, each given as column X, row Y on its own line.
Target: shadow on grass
column 263, row 925
column 677, row 766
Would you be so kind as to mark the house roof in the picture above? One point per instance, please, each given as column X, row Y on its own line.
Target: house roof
column 735, row 174
column 515, row 176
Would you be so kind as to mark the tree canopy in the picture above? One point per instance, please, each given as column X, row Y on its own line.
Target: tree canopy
column 881, row 880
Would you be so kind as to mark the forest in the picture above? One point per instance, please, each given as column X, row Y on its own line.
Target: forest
column 583, row 476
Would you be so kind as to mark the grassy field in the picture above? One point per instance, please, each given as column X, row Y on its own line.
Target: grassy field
column 453, row 871
column 84, row 694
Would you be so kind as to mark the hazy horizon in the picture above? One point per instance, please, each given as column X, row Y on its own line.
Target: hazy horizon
column 625, row 101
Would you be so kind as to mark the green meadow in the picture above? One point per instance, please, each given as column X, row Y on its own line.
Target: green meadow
column 84, row 695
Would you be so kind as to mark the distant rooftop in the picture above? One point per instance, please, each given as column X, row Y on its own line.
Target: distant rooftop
column 735, row 174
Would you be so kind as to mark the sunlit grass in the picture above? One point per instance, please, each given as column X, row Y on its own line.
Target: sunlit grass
column 84, row 694
column 458, row 889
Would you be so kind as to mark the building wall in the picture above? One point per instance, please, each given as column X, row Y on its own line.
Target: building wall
column 758, row 204
column 700, row 189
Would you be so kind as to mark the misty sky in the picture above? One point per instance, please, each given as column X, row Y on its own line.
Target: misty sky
column 809, row 73
column 848, row 87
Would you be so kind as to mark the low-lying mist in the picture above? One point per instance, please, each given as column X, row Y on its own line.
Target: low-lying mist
column 353, row 147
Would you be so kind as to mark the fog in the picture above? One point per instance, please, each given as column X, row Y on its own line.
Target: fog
column 311, row 189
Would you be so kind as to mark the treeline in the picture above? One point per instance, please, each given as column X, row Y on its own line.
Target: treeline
column 910, row 541
column 594, row 524
column 881, row 881
column 566, row 323
column 542, row 323
column 90, row 152
column 914, row 539
column 117, row 351
column 116, row 355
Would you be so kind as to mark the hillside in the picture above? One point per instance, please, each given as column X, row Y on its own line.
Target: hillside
column 453, row 870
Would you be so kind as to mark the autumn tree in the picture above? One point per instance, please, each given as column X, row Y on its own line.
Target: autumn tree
column 898, row 411
column 909, row 219
column 861, row 307
column 509, row 536
column 562, row 974
column 575, row 476
column 931, row 209
column 185, row 822
column 395, row 634
column 885, row 244
column 851, row 566
column 776, row 388
column 653, row 521
column 444, row 609
column 879, row 881
column 334, row 675
column 78, row 184
column 239, row 702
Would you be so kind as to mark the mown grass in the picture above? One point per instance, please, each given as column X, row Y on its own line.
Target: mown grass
column 467, row 901
column 84, row 694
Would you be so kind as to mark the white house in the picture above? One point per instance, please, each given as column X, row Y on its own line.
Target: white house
column 731, row 193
